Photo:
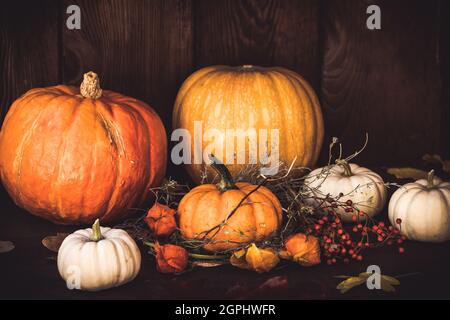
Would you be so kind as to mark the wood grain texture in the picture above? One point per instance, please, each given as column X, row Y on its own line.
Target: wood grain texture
column 393, row 83
column 444, row 59
column 259, row 32
column 28, row 48
column 138, row 48
column 385, row 82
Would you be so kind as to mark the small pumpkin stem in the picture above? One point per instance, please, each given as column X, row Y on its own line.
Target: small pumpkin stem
column 346, row 166
column 96, row 232
column 226, row 180
column 90, row 87
column 430, row 179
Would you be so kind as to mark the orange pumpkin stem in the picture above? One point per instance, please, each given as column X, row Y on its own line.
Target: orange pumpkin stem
column 344, row 164
column 226, row 180
column 430, row 183
column 90, row 87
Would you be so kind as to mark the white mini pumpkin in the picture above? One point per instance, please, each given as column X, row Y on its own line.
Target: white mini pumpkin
column 98, row 258
column 423, row 210
column 363, row 187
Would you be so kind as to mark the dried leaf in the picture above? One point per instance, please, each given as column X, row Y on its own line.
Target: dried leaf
column 53, row 243
column 437, row 159
column 342, row 277
column 387, row 287
column 432, row 158
column 6, row 246
column 276, row 282
column 273, row 287
column 408, row 173
column 387, row 282
column 350, row 283
column 390, row 280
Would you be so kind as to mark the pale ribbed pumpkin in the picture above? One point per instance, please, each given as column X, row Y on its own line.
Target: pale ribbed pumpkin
column 421, row 210
column 363, row 187
column 212, row 214
column 72, row 155
column 98, row 258
column 224, row 97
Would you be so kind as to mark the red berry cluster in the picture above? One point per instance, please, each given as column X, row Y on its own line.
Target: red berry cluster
column 338, row 243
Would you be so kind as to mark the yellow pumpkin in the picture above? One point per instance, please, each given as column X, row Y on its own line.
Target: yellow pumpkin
column 246, row 97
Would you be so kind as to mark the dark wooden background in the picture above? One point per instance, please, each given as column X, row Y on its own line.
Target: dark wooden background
column 393, row 83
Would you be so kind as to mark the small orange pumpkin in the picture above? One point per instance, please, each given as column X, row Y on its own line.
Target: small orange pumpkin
column 215, row 214
column 73, row 155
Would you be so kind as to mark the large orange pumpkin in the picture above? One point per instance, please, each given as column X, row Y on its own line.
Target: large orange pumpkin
column 72, row 155
column 224, row 97
column 223, row 217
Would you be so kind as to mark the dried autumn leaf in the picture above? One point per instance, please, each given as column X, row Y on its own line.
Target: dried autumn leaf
column 350, row 283
column 408, row 173
column 342, row 277
column 387, row 287
column 364, row 275
column 6, row 246
column 277, row 282
column 437, row 159
column 386, row 282
column 53, row 243
column 390, row 279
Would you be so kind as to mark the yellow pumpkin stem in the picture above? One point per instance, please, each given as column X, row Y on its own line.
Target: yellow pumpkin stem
column 430, row 179
column 90, row 87
column 226, row 180
column 346, row 166
column 247, row 67
column 96, row 231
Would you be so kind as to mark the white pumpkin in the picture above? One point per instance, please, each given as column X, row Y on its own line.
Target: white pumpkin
column 423, row 208
column 363, row 187
column 98, row 258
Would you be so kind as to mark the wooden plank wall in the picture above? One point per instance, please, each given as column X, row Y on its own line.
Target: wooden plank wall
column 393, row 83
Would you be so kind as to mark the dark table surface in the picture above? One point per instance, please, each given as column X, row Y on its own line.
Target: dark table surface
column 29, row 272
